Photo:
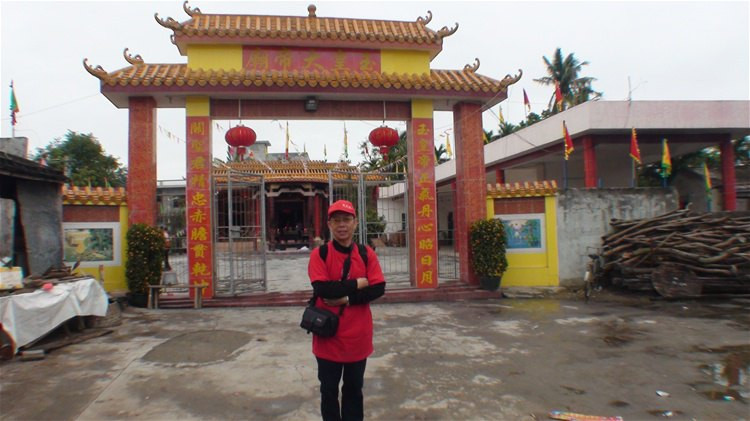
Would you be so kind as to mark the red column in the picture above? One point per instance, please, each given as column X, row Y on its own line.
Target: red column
column 316, row 221
column 422, row 202
column 499, row 175
column 141, row 184
column 471, row 181
column 589, row 161
column 727, row 175
column 198, row 197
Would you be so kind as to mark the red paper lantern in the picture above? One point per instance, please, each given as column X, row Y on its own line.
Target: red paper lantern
column 240, row 137
column 384, row 138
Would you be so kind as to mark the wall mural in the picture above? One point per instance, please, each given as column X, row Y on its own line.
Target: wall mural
column 93, row 243
column 524, row 232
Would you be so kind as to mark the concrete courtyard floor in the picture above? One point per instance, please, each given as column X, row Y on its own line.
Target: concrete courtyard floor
column 505, row 359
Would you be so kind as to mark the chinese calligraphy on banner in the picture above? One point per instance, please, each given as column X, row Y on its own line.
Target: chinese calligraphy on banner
column 199, row 203
column 265, row 59
column 425, row 205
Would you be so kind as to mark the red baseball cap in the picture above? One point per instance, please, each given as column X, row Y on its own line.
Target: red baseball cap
column 342, row 206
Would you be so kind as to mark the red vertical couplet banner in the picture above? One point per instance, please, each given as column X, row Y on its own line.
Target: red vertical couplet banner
column 424, row 215
column 198, row 196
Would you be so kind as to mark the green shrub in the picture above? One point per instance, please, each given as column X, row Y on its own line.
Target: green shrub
column 375, row 224
column 145, row 257
column 487, row 239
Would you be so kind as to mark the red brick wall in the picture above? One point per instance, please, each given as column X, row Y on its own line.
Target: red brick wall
column 142, row 161
column 85, row 213
column 519, row 205
column 471, row 181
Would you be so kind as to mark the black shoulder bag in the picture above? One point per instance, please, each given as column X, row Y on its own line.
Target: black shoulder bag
column 320, row 321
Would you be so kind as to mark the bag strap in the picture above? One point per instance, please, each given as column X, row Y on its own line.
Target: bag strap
column 344, row 272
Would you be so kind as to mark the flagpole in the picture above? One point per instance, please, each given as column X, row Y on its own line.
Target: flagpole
column 565, row 172
column 632, row 173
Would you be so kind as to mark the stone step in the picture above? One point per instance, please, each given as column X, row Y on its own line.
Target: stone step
column 454, row 291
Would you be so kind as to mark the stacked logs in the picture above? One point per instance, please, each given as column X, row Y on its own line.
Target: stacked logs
column 679, row 254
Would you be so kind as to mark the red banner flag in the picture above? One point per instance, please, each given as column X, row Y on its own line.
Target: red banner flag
column 558, row 96
column 635, row 152
column 526, row 102
column 568, row 141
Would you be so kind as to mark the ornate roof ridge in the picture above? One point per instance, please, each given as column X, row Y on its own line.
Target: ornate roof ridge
column 178, row 74
column 75, row 195
column 310, row 28
column 525, row 189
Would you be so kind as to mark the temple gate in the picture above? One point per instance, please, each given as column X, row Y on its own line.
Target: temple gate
column 308, row 67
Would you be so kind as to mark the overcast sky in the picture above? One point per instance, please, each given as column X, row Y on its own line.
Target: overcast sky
column 668, row 50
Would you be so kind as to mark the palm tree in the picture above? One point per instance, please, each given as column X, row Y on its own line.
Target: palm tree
column 566, row 72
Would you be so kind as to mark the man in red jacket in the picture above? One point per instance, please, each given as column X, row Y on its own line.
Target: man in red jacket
column 349, row 295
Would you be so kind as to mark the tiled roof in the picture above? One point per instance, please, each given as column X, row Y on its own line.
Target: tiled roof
column 306, row 29
column 536, row 188
column 179, row 75
column 93, row 196
column 289, row 171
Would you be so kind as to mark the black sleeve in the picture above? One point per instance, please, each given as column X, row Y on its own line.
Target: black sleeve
column 330, row 289
column 365, row 295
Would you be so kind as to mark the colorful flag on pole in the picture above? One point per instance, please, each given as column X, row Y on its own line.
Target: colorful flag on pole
column 448, row 148
column 500, row 115
column 346, row 143
column 325, row 153
column 484, row 137
column 568, row 141
column 558, row 96
column 707, row 176
column 286, row 151
column 13, row 105
column 666, row 160
column 526, row 101
column 635, row 152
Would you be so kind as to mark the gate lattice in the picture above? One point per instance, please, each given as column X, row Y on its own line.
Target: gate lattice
column 239, row 233
column 383, row 223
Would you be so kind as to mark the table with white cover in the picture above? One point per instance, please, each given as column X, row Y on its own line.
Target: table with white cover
column 28, row 317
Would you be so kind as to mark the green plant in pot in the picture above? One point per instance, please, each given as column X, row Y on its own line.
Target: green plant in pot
column 144, row 265
column 487, row 240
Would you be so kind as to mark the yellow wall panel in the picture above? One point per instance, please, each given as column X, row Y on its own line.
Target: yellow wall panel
column 421, row 108
column 114, row 276
column 215, row 57
column 534, row 269
column 197, row 106
column 401, row 61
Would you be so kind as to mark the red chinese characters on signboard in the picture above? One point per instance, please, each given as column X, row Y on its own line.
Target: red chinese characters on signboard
column 265, row 59
column 425, row 209
column 198, row 197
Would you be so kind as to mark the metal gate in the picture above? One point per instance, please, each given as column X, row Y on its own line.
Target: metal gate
column 239, row 233
column 447, row 253
column 380, row 200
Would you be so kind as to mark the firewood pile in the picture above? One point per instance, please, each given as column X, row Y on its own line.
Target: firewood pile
column 678, row 254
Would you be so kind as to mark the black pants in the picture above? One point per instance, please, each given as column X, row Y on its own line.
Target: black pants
column 329, row 374
column 167, row 266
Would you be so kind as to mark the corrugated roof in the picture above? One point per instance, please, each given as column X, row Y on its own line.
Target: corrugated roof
column 16, row 167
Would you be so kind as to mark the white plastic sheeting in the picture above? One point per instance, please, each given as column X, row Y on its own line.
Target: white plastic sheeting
column 28, row 317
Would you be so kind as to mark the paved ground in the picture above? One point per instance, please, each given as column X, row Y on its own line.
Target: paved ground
column 509, row 359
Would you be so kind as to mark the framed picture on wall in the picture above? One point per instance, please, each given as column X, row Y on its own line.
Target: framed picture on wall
column 94, row 243
column 524, row 231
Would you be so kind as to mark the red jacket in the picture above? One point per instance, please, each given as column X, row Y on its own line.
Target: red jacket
column 353, row 340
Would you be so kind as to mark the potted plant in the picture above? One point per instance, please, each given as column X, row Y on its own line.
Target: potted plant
column 487, row 240
column 145, row 258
